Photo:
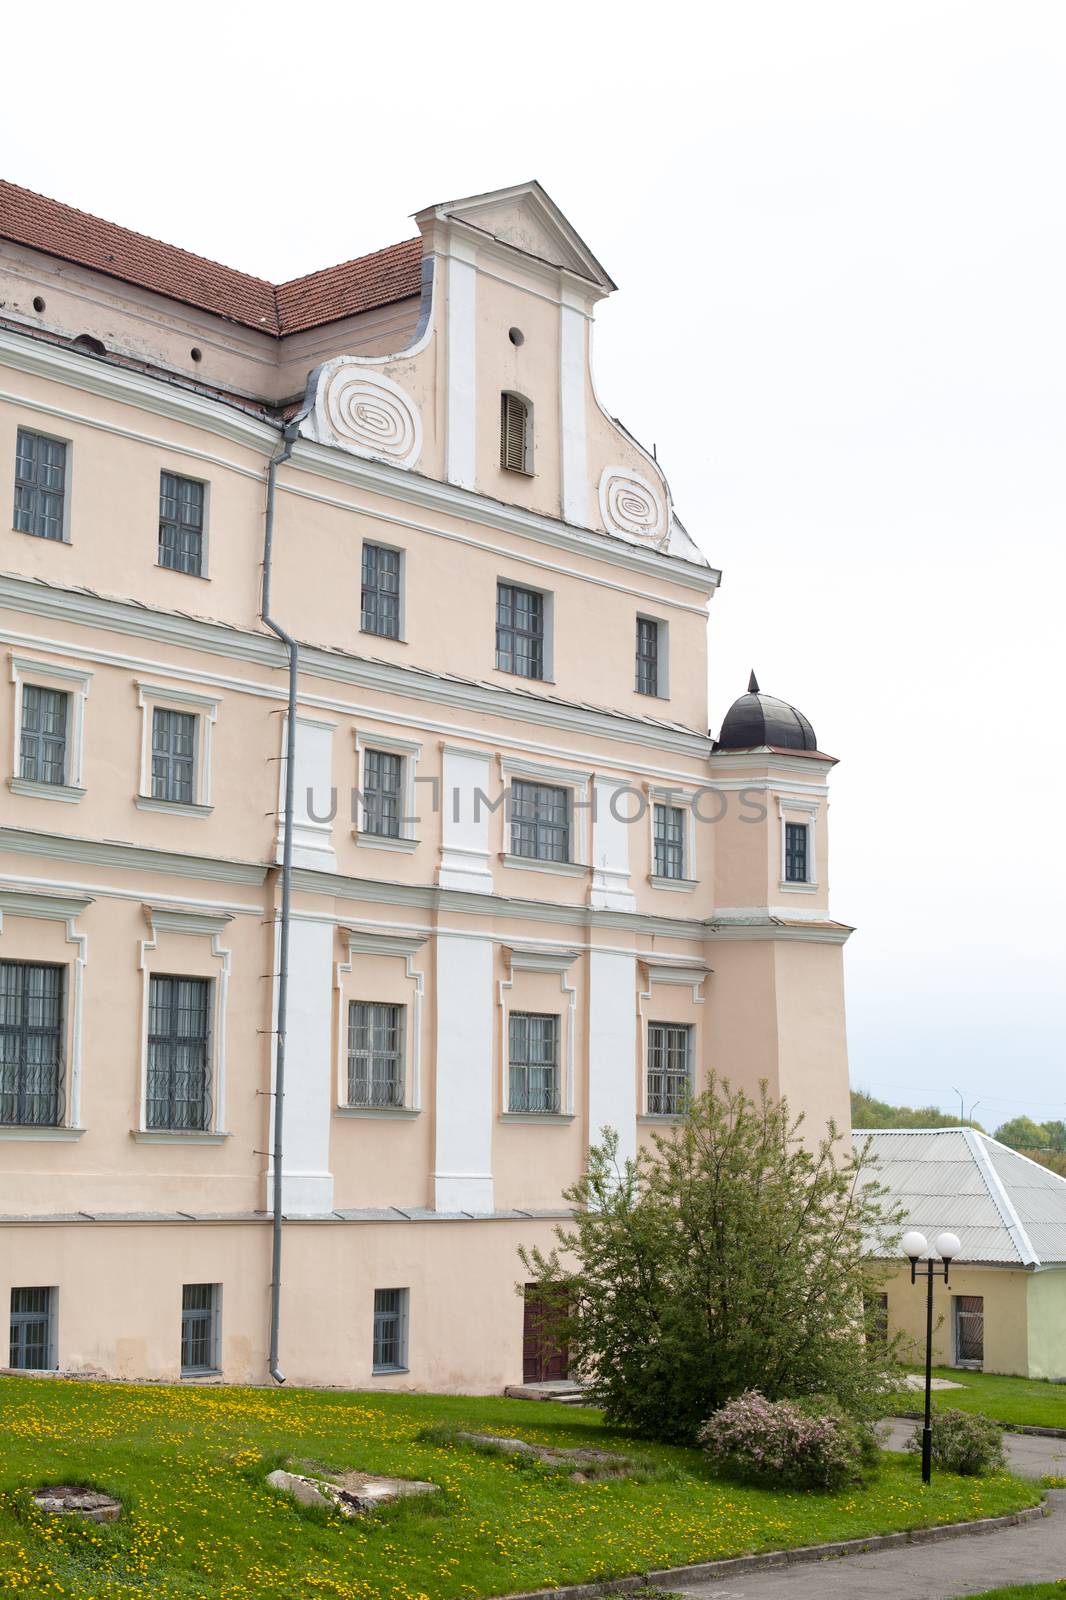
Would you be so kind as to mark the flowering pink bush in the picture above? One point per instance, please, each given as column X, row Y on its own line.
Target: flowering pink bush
column 788, row 1443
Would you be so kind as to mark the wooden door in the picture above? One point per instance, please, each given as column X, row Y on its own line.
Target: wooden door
column 544, row 1356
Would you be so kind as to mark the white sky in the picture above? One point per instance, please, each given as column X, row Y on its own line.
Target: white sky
column 839, row 234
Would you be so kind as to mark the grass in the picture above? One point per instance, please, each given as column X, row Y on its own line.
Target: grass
column 1027, row 1591
column 200, row 1524
column 1034, row 1401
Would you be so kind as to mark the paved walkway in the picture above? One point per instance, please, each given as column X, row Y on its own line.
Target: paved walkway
column 1029, row 1454
column 1034, row 1552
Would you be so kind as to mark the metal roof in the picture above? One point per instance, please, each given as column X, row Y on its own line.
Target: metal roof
column 1005, row 1208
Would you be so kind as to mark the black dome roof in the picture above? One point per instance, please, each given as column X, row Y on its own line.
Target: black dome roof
column 759, row 719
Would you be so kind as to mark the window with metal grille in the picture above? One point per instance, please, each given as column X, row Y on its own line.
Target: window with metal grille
column 381, row 591
column 178, row 1088
column 540, row 821
column 969, row 1330
column 40, row 484
column 181, row 524
column 519, row 631
column 382, row 793
column 174, row 755
column 516, row 442
column 200, row 1305
column 795, row 852
column 669, row 1068
column 390, row 1330
column 647, row 656
column 875, row 1307
column 32, row 1333
column 534, row 1062
column 43, row 735
column 31, row 1044
column 375, row 1054
column 668, row 829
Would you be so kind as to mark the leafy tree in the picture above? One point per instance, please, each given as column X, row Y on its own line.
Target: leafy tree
column 1022, row 1133
column 1056, row 1136
column 866, row 1112
column 728, row 1257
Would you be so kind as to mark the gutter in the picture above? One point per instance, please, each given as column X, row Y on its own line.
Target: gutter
column 289, row 439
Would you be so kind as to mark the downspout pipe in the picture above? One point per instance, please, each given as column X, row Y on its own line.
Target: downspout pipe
column 281, row 456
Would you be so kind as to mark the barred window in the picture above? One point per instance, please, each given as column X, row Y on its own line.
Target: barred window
column 181, row 524
column 796, row 852
column 174, row 755
column 32, row 1329
column 668, row 826
column 540, row 821
column 178, row 1090
column 519, row 631
column 31, row 1044
column 375, row 1054
column 534, row 1062
column 200, row 1308
column 669, row 1067
column 43, row 735
column 390, row 1330
column 647, row 656
column 40, row 484
column 381, row 591
column 382, row 793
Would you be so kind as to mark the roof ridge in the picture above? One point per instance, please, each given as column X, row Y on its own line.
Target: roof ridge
column 1001, row 1198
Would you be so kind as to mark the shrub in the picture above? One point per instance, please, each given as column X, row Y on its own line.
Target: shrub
column 964, row 1442
column 788, row 1443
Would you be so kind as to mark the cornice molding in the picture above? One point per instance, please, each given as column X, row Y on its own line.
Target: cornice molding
column 137, row 858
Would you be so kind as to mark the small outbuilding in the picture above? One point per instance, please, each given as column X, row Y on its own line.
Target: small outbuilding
column 1005, row 1310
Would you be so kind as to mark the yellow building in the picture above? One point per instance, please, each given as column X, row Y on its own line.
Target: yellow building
column 1005, row 1310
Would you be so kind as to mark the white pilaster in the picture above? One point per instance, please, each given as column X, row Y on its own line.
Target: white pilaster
column 463, row 1167
column 573, row 449
column 611, row 826
column 613, row 1048
column 462, row 373
column 464, row 856
column 307, row 1188
column 313, row 796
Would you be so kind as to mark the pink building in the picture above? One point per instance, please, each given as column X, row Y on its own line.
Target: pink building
column 528, row 896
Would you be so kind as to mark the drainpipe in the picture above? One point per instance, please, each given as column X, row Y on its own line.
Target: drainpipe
column 286, row 898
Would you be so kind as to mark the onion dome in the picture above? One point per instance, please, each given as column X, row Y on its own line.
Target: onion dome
column 758, row 719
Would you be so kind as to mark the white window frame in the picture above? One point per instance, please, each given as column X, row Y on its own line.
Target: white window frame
column 72, row 681
column 369, row 942
column 66, row 909
column 196, row 924
column 548, row 597
column 194, row 1374
column 205, row 544
column 205, row 709
column 663, row 795
column 662, row 659
column 52, row 1358
column 396, row 549
column 794, row 809
column 684, row 974
column 409, row 751
column 578, row 784
column 539, row 960
column 403, row 1364
column 54, row 438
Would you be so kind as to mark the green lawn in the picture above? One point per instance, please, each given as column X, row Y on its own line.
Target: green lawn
column 201, row 1524
column 1029, row 1400
column 1027, row 1591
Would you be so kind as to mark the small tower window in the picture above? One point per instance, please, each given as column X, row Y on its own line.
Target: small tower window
column 516, row 434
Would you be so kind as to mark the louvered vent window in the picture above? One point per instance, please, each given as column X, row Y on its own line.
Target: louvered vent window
column 516, row 445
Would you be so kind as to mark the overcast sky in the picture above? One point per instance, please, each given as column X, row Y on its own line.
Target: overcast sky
column 839, row 237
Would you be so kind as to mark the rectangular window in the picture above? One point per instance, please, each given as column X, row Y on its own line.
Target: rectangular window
column 178, row 1089
column 43, row 735
column 668, row 825
column 174, row 755
column 40, row 485
column 200, row 1307
column 795, row 852
column 390, row 1330
column 381, row 591
column 647, row 656
column 519, row 631
column 540, row 821
column 181, row 524
column 32, row 1329
column 382, row 793
column 876, row 1308
column 534, row 1062
column 669, row 1068
column 31, row 1044
column 969, row 1330
column 375, row 1054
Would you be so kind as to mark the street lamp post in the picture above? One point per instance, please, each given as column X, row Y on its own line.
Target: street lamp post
column 916, row 1246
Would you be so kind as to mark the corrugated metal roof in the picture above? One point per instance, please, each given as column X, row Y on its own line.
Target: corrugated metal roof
column 1004, row 1207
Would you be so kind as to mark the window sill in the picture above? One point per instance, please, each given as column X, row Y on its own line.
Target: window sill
column 388, row 1372
column 660, row 1116
column 178, row 573
column 383, row 841
column 398, row 1113
column 681, row 885
column 789, row 886
column 525, row 677
column 557, row 1119
column 389, row 638
column 569, row 869
column 44, row 538
column 176, row 1136
column 46, row 791
column 202, row 1375
column 31, row 1132
column 179, row 808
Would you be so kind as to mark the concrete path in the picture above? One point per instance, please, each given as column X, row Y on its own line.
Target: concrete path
column 1034, row 1552
column 1029, row 1454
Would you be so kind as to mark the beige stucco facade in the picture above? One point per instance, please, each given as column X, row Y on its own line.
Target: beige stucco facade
column 1024, row 1316
column 446, row 921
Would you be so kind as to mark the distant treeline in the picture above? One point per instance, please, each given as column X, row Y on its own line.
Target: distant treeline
column 1044, row 1142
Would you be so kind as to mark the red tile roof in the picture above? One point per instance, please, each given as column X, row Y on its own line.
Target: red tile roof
column 342, row 291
